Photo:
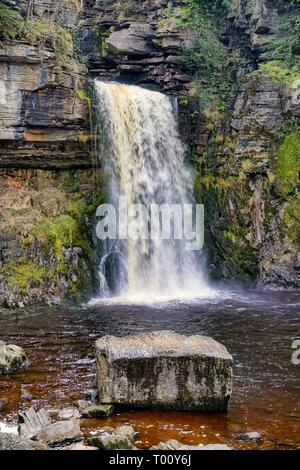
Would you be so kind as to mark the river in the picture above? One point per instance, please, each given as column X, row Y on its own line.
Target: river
column 257, row 328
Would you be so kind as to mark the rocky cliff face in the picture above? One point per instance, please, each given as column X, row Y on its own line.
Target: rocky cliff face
column 48, row 187
column 250, row 182
column 245, row 146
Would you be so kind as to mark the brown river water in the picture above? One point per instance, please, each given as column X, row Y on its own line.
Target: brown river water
column 258, row 329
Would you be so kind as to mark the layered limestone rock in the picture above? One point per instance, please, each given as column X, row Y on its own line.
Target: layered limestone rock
column 164, row 370
column 137, row 43
column 43, row 119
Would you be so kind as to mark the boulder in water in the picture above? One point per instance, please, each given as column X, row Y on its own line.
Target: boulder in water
column 164, row 370
column 12, row 358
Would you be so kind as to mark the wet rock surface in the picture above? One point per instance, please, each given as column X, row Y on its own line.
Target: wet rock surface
column 164, row 370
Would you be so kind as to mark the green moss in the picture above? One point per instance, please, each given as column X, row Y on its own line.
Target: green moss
column 23, row 274
column 58, row 233
column 288, row 163
column 291, row 220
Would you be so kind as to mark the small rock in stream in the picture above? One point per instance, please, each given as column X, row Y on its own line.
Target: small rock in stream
column 98, row 411
column 68, row 413
column 250, row 436
column 12, row 358
column 83, row 405
column 126, row 431
column 60, row 432
column 110, row 442
column 121, row 438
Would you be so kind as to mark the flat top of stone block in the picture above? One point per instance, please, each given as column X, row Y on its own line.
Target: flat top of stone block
column 160, row 344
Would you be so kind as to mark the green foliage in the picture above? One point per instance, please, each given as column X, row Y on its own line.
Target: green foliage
column 43, row 33
column 282, row 59
column 22, row 274
column 50, row 34
column 291, row 220
column 11, row 23
column 208, row 58
column 288, row 163
column 286, row 46
column 279, row 72
column 101, row 35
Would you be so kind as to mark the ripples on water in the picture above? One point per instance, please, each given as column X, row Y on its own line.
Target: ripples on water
column 258, row 328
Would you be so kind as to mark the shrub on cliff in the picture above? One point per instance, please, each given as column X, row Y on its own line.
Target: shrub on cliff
column 11, row 23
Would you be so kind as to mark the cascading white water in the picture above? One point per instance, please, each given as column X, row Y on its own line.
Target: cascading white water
column 143, row 160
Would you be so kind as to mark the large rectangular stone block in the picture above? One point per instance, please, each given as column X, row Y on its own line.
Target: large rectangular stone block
column 164, row 370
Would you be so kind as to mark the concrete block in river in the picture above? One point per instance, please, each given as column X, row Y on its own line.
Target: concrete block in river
column 164, row 370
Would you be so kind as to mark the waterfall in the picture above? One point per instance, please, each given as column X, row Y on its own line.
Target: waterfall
column 142, row 158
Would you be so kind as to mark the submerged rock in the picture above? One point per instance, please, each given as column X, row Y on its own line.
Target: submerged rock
column 13, row 442
column 176, row 445
column 12, row 358
column 98, row 411
column 164, row 370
